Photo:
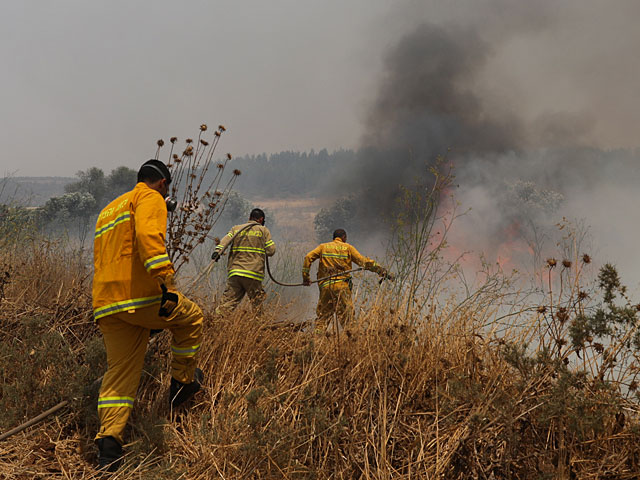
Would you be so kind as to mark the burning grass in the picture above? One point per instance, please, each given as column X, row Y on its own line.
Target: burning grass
column 392, row 396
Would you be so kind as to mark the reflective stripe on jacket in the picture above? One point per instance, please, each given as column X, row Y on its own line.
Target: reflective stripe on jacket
column 129, row 253
column 335, row 257
column 250, row 245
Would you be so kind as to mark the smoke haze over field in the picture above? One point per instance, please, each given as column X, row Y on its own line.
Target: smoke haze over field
column 520, row 91
column 447, row 89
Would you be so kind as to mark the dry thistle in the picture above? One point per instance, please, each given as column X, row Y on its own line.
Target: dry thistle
column 228, row 156
column 598, row 347
column 173, row 139
column 566, row 263
column 189, row 140
column 175, row 156
column 542, row 309
column 551, row 262
column 562, row 314
column 221, row 128
column 217, row 133
column 220, row 165
column 237, row 172
column 586, row 258
column 582, row 295
column 204, row 142
column 203, row 127
column 160, row 142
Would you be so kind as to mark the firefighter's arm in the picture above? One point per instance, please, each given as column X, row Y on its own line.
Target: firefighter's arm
column 269, row 246
column 366, row 262
column 151, row 229
column 223, row 245
column 311, row 257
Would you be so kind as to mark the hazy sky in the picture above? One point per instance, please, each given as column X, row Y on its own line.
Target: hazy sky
column 96, row 83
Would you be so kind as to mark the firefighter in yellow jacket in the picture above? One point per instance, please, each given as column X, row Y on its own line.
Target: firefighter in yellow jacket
column 134, row 292
column 249, row 243
column 335, row 292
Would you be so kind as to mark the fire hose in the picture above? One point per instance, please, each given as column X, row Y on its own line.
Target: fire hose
column 207, row 270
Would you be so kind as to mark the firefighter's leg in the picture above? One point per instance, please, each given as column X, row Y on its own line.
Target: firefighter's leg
column 233, row 294
column 185, row 324
column 326, row 308
column 126, row 345
column 255, row 292
column 344, row 304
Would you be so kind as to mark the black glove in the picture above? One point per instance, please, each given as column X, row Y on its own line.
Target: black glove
column 169, row 301
column 215, row 256
column 385, row 275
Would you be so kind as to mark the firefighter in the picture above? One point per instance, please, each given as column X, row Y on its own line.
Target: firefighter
column 249, row 244
column 335, row 292
column 133, row 292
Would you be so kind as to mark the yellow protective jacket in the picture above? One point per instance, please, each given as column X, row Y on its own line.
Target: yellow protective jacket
column 248, row 250
column 336, row 257
column 129, row 253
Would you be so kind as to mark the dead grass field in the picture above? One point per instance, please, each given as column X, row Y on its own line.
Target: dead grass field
column 430, row 395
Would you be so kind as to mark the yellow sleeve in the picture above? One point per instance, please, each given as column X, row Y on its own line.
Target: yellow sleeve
column 364, row 262
column 269, row 245
column 151, row 230
column 311, row 257
column 226, row 240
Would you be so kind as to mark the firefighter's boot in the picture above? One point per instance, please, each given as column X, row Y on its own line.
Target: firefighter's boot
column 181, row 392
column 110, row 456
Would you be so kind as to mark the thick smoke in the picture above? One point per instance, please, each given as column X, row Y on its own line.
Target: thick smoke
column 511, row 169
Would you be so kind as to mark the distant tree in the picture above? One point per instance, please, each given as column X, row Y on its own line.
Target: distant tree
column 121, row 180
column 69, row 210
column 103, row 188
column 342, row 214
column 91, row 181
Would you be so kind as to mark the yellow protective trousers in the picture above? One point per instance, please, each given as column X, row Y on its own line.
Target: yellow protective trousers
column 334, row 299
column 237, row 288
column 125, row 338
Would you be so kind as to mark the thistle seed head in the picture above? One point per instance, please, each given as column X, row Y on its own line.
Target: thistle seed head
column 204, row 142
column 237, row 172
column 189, row 140
column 542, row 309
column 217, row 133
column 221, row 128
column 586, row 258
column 228, row 156
column 203, row 128
column 551, row 262
column 566, row 263
column 160, row 142
column 173, row 139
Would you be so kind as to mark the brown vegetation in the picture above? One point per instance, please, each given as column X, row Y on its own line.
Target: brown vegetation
column 419, row 396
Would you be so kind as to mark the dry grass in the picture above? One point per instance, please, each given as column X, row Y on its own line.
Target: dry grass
column 442, row 398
